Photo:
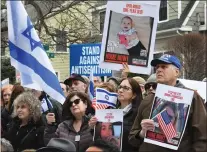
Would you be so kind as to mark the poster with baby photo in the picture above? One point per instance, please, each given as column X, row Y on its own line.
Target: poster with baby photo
column 169, row 112
column 109, row 126
column 129, row 35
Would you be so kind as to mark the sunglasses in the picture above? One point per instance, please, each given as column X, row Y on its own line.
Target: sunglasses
column 76, row 101
column 148, row 86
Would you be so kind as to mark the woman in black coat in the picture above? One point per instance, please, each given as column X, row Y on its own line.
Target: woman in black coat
column 129, row 99
column 26, row 130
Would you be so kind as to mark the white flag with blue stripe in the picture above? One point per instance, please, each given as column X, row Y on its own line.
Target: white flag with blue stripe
column 105, row 97
column 91, row 86
column 27, row 53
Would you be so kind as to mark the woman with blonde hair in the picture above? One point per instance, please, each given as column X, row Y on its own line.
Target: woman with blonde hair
column 26, row 129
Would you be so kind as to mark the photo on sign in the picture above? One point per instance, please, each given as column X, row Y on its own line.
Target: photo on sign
column 169, row 119
column 128, row 39
column 109, row 131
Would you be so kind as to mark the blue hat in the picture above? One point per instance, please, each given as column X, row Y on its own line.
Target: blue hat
column 167, row 59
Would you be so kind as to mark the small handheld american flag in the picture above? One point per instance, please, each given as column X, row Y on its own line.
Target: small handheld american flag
column 166, row 125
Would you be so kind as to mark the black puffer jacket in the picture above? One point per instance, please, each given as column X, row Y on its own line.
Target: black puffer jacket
column 32, row 131
column 66, row 130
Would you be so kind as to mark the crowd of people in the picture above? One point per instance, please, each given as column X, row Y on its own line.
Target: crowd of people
column 33, row 121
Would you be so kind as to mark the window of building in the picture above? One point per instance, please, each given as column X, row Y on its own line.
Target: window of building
column 163, row 10
column 61, row 41
column 102, row 18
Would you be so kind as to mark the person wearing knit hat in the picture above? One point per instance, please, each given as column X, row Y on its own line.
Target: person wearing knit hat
column 141, row 82
column 151, row 84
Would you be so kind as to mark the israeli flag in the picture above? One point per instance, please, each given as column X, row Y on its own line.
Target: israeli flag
column 105, row 97
column 28, row 55
column 91, row 86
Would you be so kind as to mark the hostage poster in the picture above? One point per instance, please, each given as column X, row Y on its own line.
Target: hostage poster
column 109, row 126
column 129, row 35
column 170, row 112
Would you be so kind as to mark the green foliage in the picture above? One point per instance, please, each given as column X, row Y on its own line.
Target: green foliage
column 7, row 71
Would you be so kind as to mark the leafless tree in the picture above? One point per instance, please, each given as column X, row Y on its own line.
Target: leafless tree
column 72, row 22
column 191, row 50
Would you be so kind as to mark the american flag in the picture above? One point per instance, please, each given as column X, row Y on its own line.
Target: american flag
column 97, row 105
column 166, row 125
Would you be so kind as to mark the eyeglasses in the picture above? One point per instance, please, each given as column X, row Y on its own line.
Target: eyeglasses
column 76, row 101
column 148, row 86
column 125, row 88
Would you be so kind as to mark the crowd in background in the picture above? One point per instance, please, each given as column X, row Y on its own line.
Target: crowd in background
column 31, row 120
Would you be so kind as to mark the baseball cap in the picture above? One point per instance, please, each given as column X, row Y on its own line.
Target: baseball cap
column 167, row 59
column 74, row 76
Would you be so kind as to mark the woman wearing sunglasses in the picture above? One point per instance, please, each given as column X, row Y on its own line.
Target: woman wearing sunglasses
column 76, row 110
column 129, row 98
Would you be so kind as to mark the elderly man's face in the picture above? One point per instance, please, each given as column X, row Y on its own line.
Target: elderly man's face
column 166, row 74
column 78, row 86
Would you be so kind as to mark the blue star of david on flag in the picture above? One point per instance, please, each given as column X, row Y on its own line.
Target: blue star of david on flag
column 27, row 34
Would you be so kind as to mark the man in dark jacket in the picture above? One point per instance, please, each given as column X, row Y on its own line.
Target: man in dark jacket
column 49, row 105
column 195, row 135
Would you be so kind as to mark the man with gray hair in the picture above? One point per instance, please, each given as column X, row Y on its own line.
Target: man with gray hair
column 195, row 135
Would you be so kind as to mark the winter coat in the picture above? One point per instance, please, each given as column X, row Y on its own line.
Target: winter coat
column 5, row 119
column 66, row 130
column 195, row 135
column 127, row 125
column 29, row 136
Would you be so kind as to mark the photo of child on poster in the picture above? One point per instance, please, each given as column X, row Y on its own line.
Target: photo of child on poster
column 111, row 132
column 109, row 126
column 170, row 111
column 176, row 113
column 129, row 37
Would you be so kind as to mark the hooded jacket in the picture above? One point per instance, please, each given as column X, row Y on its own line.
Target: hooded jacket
column 194, row 137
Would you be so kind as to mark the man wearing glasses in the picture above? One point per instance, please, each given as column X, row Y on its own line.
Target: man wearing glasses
column 195, row 135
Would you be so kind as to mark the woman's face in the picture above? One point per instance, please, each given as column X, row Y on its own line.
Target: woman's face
column 7, row 96
column 125, row 93
column 77, row 106
column 106, row 129
column 171, row 114
column 23, row 111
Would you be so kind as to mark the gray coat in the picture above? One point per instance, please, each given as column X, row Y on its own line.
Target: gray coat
column 66, row 130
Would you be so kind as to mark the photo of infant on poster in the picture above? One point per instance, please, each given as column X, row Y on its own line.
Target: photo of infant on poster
column 131, row 36
column 108, row 131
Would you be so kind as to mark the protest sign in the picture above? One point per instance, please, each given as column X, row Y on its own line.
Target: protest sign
column 198, row 86
column 4, row 82
column 170, row 112
column 83, row 57
column 109, row 126
column 129, row 35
